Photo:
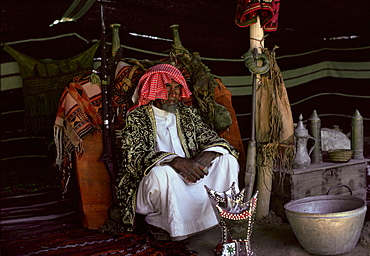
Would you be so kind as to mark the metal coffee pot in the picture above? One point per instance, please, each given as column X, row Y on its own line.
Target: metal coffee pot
column 302, row 156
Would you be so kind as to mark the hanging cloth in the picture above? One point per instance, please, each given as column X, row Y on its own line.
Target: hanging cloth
column 43, row 84
column 274, row 120
column 267, row 10
column 79, row 114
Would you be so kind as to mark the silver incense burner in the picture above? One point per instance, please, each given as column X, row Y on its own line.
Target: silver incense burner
column 236, row 218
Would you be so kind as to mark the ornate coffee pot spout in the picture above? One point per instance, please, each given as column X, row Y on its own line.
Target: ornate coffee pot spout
column 302, row 157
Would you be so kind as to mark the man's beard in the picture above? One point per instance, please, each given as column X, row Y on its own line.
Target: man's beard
column 169, row 107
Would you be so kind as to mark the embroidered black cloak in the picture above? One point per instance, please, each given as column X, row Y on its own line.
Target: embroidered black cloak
column 139, row 155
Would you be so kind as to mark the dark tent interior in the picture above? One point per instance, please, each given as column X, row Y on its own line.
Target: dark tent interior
column 322, row 48
column 316, row 31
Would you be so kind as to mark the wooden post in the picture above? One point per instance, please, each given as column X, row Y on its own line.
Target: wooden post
column 264, row 179
column 256, row 36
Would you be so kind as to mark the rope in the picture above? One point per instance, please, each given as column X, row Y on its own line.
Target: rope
column 330, row 93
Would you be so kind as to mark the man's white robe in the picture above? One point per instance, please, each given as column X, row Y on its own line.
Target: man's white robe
column 171, row 203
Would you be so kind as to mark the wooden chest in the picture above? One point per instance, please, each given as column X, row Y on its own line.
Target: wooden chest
column 317, row 180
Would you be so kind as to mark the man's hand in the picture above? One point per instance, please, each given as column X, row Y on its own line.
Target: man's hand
column 193, row 169
column 205, row 158
column 188, row 168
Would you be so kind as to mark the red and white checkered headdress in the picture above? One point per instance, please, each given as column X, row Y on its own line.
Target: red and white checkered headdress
column 152, row 84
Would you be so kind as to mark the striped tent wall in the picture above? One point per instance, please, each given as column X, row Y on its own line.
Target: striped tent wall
column 313, row 87
column 334, row 82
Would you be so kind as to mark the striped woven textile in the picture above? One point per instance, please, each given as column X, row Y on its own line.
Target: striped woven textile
column 78, row 115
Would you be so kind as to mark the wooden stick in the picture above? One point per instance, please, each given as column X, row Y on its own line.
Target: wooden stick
column 264, row 180
column 256, row 36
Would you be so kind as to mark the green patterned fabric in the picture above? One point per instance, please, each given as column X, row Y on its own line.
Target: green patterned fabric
column 43, row 84
column 139, row 155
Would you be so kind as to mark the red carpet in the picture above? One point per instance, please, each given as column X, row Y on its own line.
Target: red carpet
column 78, row 242
column 45, row 224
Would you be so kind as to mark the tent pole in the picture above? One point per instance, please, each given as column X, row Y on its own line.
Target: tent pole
column 264, row 180
column 256, row 35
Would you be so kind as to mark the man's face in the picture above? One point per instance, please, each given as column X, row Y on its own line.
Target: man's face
column 173, row 91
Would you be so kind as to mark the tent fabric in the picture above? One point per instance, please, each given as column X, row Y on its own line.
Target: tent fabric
column 75, row 11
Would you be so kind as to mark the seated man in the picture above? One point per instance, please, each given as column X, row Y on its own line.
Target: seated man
column 169, row 154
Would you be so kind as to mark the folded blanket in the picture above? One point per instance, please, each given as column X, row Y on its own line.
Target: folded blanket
column 78, row 115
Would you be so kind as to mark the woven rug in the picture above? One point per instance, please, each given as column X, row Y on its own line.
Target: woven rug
column 44, row 223
column 77, row 242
